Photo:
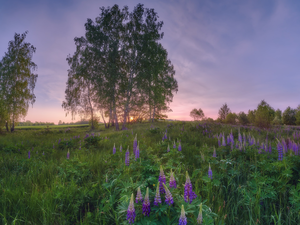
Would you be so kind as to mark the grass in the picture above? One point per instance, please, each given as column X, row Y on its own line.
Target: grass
column 93, row 186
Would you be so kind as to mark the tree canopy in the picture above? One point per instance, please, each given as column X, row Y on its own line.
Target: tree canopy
column 17, row 81
column 197, row 114
column 119, row 68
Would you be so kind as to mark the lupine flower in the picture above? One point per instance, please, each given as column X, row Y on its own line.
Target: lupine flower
column 139, row 196
column 172, row 180
column 168, row 149
column 200, row 218
column 43, row 153
column 146, row 204
column 157, row 198
column 169, row 198
column 162, row 180
column 270, row 148
column 210, row 174
column 137, row 152
column 28, row 154
column 134, row 144
column 223, row 141
column 121, row 148
column 182, row 218
column 189, row 195
column 59, row 141
column 68, row 154
column 114, row 149
column 106, row 178
column 219, row 142
column 179, row 147
column 127, row 157
column 131, row 211
column 215, row 154
column 279, row 149
column 53, row 145
column 174, row 145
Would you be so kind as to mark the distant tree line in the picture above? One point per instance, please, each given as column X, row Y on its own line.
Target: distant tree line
column 29, row 123
column 73, row 123
column 263, row 116
column 120, row 70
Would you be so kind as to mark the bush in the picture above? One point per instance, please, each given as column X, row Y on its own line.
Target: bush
column 231, row 118
column 289, row 116
column 264, row 115
column 243, row 119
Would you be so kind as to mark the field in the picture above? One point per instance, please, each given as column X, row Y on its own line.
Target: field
column 239, row 175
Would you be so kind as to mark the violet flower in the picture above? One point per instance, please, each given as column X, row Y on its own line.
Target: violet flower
column 127, row 157
column 68, row 154
column 139, row 196
column 28, row 154
column 162, row 180
column 134, row 144
column 114, row 149
column 214, row 154
column 131, row 211
column 172, row 180
column 121, row 148
column 168, row 149
column 210, row 174
column 189, row 195
column 157, row 199
column 179, row 147
column 279, row 149
column 169, row 198
column 174, row 145
column 146, row 204
column 182, row 218
column 200, row 218
column 137, row 152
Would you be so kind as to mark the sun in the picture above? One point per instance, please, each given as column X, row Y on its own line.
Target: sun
column 131, row 118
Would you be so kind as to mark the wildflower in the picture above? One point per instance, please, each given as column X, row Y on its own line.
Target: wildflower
column 134, row 144
column 210, row 175
column 279, row 149
column 215, row 154
column 114, row 149
column 179, row 147
column 172, row 180
column 169, row 198
column 43, row 153
column 137, row 152
column 139, row 196
column 162, row 180
column 189, row 195
column 223, row 141
column 157, row 198
column 121, row 148
column 53, row 145
column 127, row 157
column 131, row 211
column 146, row 204
column 106, row 179
column 182, row 218
column 200, row 218
column 28, row 154
column 174, row 145
column 168, row 149
column 68, row 154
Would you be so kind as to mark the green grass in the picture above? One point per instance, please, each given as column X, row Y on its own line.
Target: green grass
column 94, row 186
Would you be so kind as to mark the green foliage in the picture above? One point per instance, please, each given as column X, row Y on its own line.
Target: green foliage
column 297, row 116
column 289, row 116
column 223, row 112
column 251, row 116
column 197, row 114
column 264, row 115
column 243, row 119
column 231, row 118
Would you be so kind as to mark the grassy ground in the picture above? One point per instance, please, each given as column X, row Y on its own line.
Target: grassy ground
column 93, row 186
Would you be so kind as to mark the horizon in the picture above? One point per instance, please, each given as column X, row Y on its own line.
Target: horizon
column 231, row 52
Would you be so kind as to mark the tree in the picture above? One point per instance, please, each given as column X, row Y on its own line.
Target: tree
column 278, row 117
column 289, row 116
column 298, row 115
column 17, row 80
column 197, row 114
column 223, row 112
column 231, row 118
column 243, row 119
column 251, row 116
column 264, row 115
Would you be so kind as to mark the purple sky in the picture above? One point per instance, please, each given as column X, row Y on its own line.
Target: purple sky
column 232, row 51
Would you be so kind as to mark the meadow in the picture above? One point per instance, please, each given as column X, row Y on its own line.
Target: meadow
column 238, row 174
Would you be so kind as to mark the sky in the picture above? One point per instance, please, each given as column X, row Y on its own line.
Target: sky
column 235, row 52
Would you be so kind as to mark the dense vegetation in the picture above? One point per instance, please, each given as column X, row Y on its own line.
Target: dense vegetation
column 78, row 177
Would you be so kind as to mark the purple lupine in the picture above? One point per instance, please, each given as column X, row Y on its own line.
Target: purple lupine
column 179, row 147
column 131, row 211
column 210, row 174
column 53, row 145
column 157, row 199
column 137, row 152
column 28, row 154
column 68, row 155
column 162, row 180
column 215, row 153
column 121, row 148
column 139, row 196
column 182, row 218
column 174, row 145
column 270, row 148
column 168, row 149
column 114, row 149
column 189, row 195
column 219, row 142
column 172, row 180
column 200, row 218
column 169, row 198
column 134, row 144
column 43, row 153
column 127, row 157
column 279, row 149
column 223, row 141
column 146, row 204
column 59, row 141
